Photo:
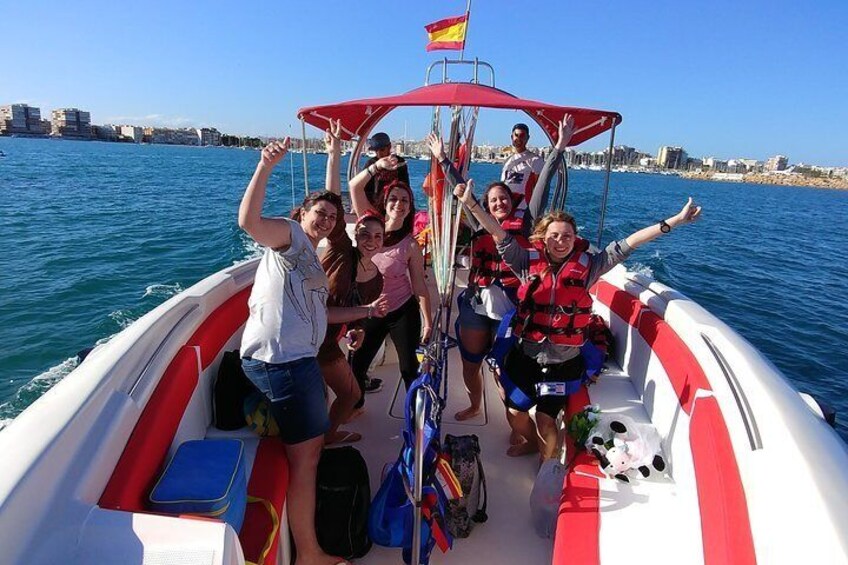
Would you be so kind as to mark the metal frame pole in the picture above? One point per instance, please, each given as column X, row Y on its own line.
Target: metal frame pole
column 606, row 186
column 467, row 19
column 418, row 487
column 303, row 149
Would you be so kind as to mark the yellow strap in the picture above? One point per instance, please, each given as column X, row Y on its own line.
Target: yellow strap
column 275, row 519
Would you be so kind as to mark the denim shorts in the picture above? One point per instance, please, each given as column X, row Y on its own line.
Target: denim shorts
column 296, row 392
column 470, row 319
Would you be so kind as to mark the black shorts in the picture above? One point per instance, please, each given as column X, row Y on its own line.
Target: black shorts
column 525, row 372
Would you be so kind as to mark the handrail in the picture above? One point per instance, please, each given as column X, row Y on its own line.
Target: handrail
column 738, row 394
column 159, row 347
column 445, row 62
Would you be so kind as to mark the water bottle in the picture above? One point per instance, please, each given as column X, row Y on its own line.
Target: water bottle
column 545, row 497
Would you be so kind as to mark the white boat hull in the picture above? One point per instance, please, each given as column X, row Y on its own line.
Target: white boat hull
column 756, row 475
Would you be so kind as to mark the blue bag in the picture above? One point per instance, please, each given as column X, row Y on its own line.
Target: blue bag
column 204, row 478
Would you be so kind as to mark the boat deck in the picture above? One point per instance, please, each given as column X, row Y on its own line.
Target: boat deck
column 508, row 535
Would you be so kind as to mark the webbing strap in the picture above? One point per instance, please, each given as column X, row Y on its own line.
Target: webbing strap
column 275, row 520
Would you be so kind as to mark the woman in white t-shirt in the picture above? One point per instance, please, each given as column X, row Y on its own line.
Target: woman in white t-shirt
column 290, row 291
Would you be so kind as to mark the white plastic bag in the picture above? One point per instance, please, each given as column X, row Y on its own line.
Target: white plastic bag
column 545, row 497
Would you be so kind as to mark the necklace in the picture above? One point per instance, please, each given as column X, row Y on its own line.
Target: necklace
column 365, row 268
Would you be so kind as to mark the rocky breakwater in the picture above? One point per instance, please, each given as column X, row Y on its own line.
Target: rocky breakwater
column 782, row 179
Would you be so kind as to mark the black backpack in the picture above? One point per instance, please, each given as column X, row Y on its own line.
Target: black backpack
column 461, row 514
column 231, row 388
column 343, row 498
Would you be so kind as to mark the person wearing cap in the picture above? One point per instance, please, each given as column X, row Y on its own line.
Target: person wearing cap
column 522, row 169
column 381, row 145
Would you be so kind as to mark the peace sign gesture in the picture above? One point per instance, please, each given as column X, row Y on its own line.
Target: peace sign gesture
column 332, row 136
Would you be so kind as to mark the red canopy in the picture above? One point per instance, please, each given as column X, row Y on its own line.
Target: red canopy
column 359, row 116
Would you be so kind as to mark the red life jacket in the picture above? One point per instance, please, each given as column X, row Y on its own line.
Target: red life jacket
column 487, row 266
column 556, row 306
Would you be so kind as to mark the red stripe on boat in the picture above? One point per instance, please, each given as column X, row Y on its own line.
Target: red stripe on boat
column 725, row 524
column 269, row 480
column 683, row 370
column 219, row 327
column 579, row 521
column 145, row 452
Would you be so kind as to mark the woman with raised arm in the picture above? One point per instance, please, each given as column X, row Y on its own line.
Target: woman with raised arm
column 355, row 286
column 290, row 291
column 492, row 287
column 402, row 266
column 554, row 305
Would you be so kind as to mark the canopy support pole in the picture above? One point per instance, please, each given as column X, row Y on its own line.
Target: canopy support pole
column 303, row 151
column 606, row 186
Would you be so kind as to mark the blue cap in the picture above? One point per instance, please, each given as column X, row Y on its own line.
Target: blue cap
column 378, row 141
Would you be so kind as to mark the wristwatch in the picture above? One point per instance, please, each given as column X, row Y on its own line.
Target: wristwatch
column 664, row 227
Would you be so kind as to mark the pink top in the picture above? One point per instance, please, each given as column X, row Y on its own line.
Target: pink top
column 393, row 263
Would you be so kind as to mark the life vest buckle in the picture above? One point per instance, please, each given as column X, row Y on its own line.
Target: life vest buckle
column 551, row 388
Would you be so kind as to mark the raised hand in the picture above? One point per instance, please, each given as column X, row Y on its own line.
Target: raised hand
column 465, row 192
column 690, row 213
column 274, row 152
column 565, row 129
column 389, row 163
column 436, row 145
column 332, row 136
column 379, row 307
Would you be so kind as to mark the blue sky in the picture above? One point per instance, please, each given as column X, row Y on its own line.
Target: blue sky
column 727, row 79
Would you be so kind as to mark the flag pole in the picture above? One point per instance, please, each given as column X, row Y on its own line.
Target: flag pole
column 467, row 18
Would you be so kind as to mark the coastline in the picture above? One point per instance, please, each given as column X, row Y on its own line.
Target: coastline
column 774, row 179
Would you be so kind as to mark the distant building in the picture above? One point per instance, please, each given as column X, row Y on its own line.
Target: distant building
column 716, row 165
column 21, row 119
column 167, row 136
column 736, row 166
column 752, row 165
column 624, row 156
column 134, row 133
column 670, row 157
column 209, row 136
column 777, row 163
column 107, row 132
column 693, row 164
column 71, row 123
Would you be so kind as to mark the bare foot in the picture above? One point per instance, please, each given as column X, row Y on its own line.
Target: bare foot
column 466, row 414
column 516, row 438
column 355, row 414
column 521, row 449
column 321, row 559
column 341, row 436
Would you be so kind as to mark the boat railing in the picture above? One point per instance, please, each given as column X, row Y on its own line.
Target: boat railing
column 446, row 63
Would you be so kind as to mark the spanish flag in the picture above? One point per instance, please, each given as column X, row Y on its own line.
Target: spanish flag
column 447, row 34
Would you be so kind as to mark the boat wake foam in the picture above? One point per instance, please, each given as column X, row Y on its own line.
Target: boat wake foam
column 32, row 390
column 163, row 290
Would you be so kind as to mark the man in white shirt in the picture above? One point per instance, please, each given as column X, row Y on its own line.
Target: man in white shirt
column 522, row 169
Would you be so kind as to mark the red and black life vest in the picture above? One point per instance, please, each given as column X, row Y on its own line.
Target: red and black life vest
column 556, row 305
column 487, row 267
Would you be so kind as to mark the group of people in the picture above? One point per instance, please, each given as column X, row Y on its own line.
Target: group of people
column 301, row 305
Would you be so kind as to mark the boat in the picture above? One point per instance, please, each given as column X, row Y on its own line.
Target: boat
column 756, row 473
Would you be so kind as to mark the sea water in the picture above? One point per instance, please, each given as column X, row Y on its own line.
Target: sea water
column 94, row 235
